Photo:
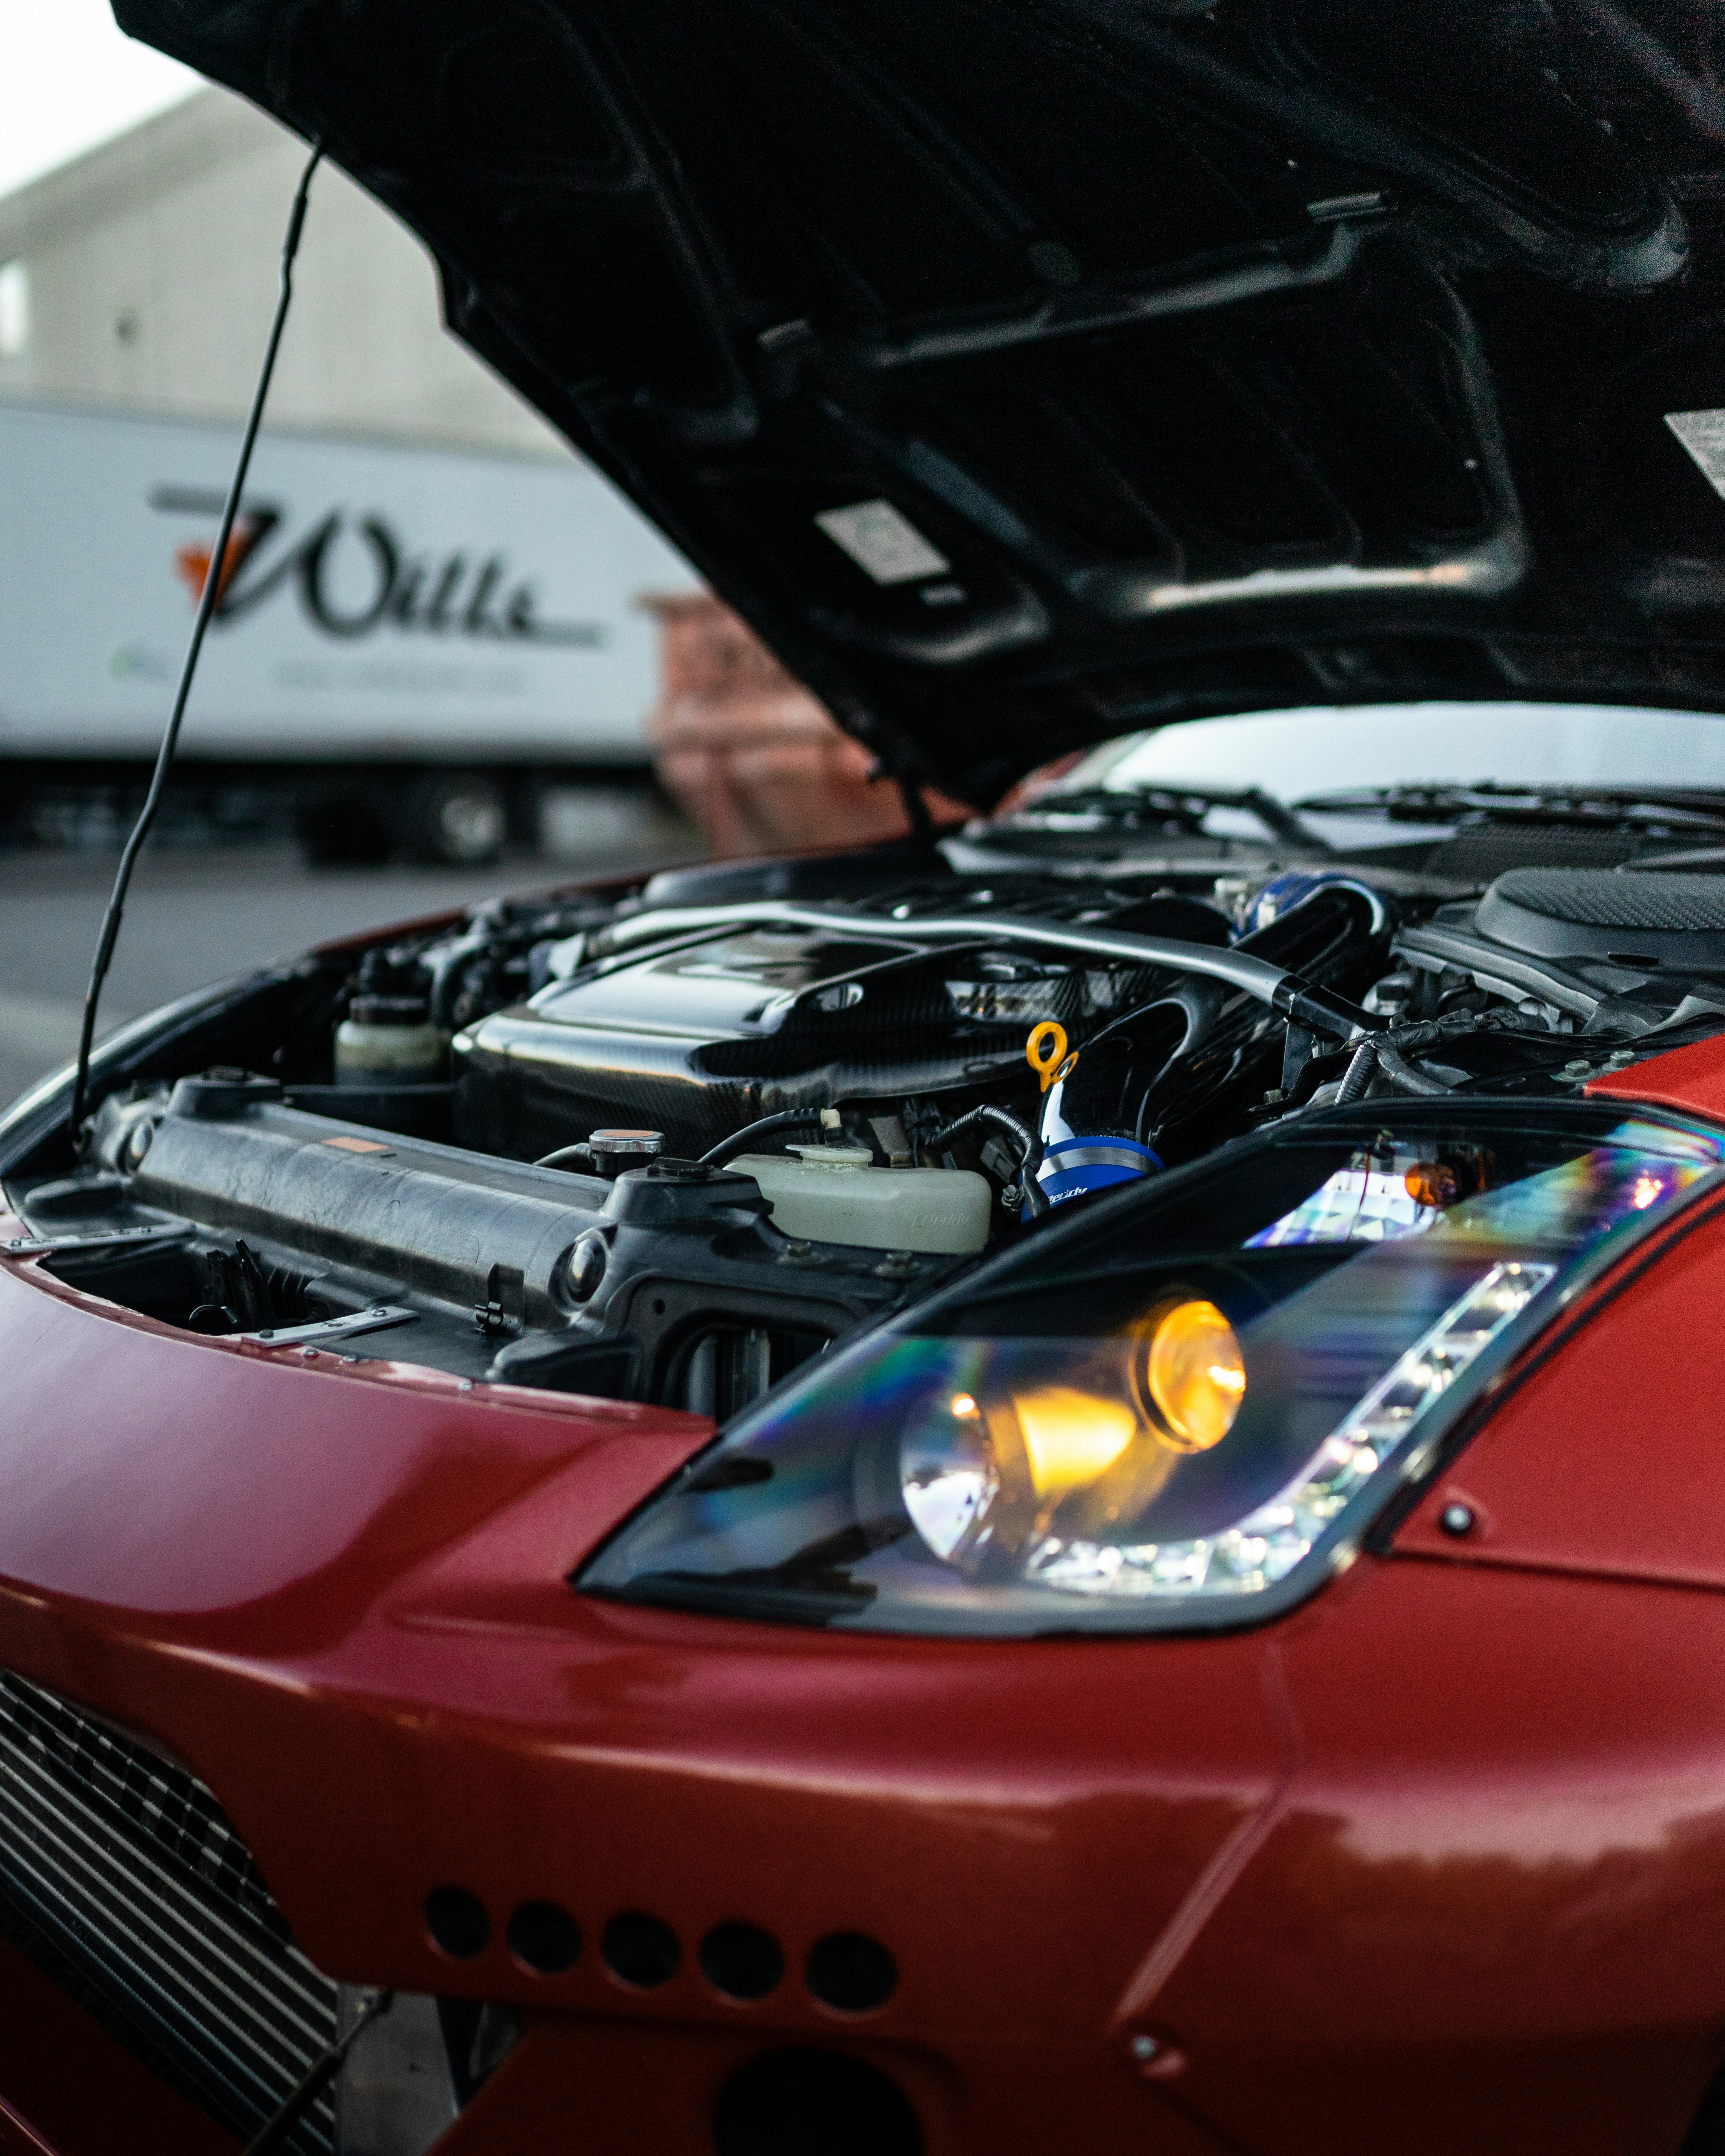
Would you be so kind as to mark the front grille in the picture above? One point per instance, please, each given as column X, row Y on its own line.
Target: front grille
column 122, row 1877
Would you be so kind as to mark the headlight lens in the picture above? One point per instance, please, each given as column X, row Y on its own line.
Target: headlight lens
column 1182, row 1410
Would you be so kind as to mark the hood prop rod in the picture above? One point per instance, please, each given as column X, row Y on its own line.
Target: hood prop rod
column 274, row 2133
column 214, row 583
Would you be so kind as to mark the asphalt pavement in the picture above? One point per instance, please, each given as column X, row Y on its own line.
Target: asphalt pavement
column 196, row 916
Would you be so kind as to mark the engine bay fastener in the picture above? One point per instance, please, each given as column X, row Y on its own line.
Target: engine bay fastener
column 1156, row 2057
column 500, row 1317
column 584, row 1267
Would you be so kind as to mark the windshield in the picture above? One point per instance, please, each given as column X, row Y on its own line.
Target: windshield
column 1296, row 755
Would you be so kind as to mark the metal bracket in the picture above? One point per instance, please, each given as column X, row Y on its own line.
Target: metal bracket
column 325, row 1329
column 500, row 1317
column 118, row 1239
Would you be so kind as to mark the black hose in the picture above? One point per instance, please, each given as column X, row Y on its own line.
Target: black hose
column 787, row 1119
column 1029, row 1144
column 568, row 1156
column 1384, row 1052
column 1401, row 1073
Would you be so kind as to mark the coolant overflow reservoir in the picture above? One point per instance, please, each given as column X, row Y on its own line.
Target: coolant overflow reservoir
column 834, row 1194
column 389, row 1041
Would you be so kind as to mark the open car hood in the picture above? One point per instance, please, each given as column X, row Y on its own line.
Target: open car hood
column 1027, row 375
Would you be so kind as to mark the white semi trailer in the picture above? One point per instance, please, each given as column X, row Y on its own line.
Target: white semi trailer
column 409, row 642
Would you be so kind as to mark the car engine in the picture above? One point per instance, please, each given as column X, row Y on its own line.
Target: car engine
column 667, row 1142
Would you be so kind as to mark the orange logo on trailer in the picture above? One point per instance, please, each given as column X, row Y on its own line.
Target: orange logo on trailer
column 192, row 564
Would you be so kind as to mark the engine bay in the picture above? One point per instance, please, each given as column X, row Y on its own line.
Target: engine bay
column 668, row 1141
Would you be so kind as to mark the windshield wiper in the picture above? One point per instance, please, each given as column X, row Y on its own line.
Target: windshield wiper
column 1659, row 809
column 1177, row 810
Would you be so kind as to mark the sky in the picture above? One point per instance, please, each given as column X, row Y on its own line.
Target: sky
column 69, row 80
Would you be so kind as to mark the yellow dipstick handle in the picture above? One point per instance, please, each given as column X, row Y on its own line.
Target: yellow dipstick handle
column 1045, row 1052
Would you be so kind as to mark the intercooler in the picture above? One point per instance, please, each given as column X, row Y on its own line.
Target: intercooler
column 123, row 1879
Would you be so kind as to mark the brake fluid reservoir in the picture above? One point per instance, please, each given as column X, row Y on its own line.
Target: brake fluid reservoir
column 389, row 1041
column 834, row 1194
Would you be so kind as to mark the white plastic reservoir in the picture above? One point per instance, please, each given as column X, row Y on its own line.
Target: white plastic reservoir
column 387, row 1040
column 834, row 1194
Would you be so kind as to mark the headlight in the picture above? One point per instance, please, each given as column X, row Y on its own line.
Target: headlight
column 1182, row 1410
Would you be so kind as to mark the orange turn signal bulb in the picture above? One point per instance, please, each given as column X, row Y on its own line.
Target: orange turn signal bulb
column 1431, row 1182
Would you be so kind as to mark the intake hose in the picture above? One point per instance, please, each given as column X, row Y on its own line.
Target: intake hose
column 1023, row 1136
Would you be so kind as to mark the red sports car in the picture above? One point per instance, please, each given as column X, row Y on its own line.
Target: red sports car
column 1054, row 1486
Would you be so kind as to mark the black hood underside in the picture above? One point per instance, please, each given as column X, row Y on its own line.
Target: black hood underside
column 1028, row 373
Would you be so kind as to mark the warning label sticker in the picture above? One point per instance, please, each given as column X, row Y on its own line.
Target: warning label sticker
column 883, row 540
column 1702, row 433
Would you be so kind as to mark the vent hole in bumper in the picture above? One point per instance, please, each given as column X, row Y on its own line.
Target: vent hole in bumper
column 813, row 2103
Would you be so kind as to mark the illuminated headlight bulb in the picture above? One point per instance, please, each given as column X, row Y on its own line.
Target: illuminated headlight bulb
column 1071, row 1438
column 1194, row 1375
column 949, row 1474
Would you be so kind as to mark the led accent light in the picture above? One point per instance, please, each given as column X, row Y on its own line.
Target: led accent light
column 1271, row 1541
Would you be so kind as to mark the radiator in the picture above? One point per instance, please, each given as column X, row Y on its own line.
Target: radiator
column 122, row 1877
